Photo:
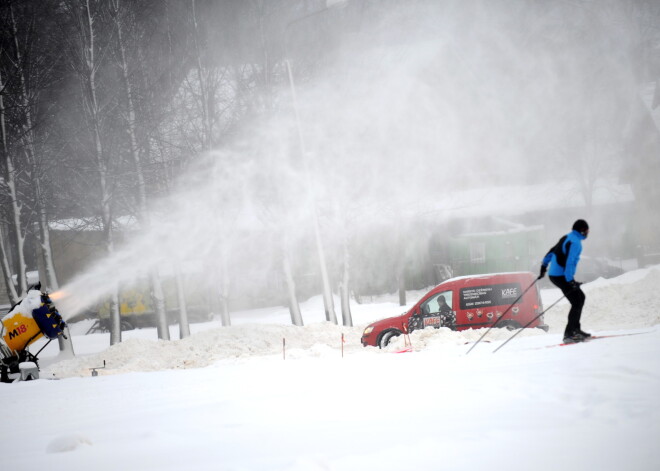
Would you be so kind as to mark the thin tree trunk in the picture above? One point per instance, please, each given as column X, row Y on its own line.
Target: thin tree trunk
column 401, row 272
column 401, row 281
column 31, row 155
column 105, row 196
column 224, row 289
column 267, row 95
column 327, row 291
column 115, row 316
column 64, row 341
column 4, row 256
column 46, row 250
column 294, row 307
column 157, row 297
column 184, row 326
column 344, row 290
column 203, row 85
column 15, row 212
column 328, row 301
column 6, row 271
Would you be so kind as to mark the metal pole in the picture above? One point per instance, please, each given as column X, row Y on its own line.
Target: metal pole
column 525, row 326
column 503, row 314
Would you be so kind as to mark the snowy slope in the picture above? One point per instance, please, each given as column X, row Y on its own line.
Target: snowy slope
column 226, row 399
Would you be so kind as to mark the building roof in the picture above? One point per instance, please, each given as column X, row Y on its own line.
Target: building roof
column 516, row 200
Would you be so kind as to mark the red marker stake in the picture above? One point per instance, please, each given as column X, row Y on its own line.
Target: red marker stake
column 342, row 345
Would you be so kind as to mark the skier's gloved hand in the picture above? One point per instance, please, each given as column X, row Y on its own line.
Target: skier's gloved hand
column 543, row 270
column 574, row 285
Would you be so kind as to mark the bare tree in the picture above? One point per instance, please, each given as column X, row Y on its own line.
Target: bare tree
column 208, row 90
column 14, row 208
column 261, row 82
column 85, row 59
column 8, row 185
column 28, row 100
column 119, row 16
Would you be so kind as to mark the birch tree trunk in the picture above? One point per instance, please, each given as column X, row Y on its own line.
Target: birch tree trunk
column 266, row 86
column 27, row 99
column 345, row 290
column 14, row 214
column 294, row 306
column 29, row 145
column 6, row 271
column 207, row 88
column 86, row 65
column 327, row 291
column 157, row 296
column 203, row 83
column 106, row 197
column 153, row 102
column 401, row 266
column 184, row 326
column 224, row 288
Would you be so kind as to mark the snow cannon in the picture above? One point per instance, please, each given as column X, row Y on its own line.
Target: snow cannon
column 35, row 316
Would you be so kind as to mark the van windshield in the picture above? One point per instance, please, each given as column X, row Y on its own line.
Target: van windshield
column 489, row 295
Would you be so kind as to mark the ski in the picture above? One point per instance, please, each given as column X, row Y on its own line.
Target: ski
column 594, row 337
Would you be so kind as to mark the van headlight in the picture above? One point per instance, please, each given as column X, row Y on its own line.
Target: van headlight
column 368, row 330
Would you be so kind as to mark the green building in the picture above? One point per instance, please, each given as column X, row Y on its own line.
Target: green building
column 495, row 252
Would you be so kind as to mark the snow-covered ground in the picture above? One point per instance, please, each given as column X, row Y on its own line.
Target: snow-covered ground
column 230, row 398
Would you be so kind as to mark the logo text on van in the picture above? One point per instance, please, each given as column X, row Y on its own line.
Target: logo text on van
column 509, row 293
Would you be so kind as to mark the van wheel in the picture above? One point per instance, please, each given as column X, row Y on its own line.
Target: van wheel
column 511, row 325
column 386, row 337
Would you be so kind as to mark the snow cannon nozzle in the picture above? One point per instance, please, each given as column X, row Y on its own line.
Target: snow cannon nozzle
column 59, row 294
column 47, row 317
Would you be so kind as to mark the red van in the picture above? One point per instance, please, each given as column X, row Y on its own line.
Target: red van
column 466, row 302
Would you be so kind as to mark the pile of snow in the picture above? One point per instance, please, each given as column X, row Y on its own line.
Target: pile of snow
column 29, row 303
column 629, row 301
column 615, row 304
column 209, row 346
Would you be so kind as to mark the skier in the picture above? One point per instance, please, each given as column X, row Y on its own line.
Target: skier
column 564, row 257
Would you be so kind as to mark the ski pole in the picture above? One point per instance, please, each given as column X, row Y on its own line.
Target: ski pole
column 503, row 314
column 526, row 325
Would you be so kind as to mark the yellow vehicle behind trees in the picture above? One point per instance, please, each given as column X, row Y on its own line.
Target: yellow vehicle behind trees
column 136, row 307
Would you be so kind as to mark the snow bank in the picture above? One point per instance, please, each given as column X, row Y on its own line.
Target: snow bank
column 208, row 347
column 627, row 302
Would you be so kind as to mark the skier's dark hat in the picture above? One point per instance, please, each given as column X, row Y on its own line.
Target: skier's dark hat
column 581, row 226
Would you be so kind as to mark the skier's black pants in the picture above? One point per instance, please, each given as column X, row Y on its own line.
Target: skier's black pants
column 576, row 297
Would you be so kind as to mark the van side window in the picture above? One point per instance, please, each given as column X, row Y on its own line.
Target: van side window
column 437, row 311
column 440, row 303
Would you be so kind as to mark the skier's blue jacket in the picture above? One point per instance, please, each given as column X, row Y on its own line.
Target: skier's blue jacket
column 568, row 251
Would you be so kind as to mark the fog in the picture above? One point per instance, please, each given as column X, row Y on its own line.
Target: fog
column 390, row 107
